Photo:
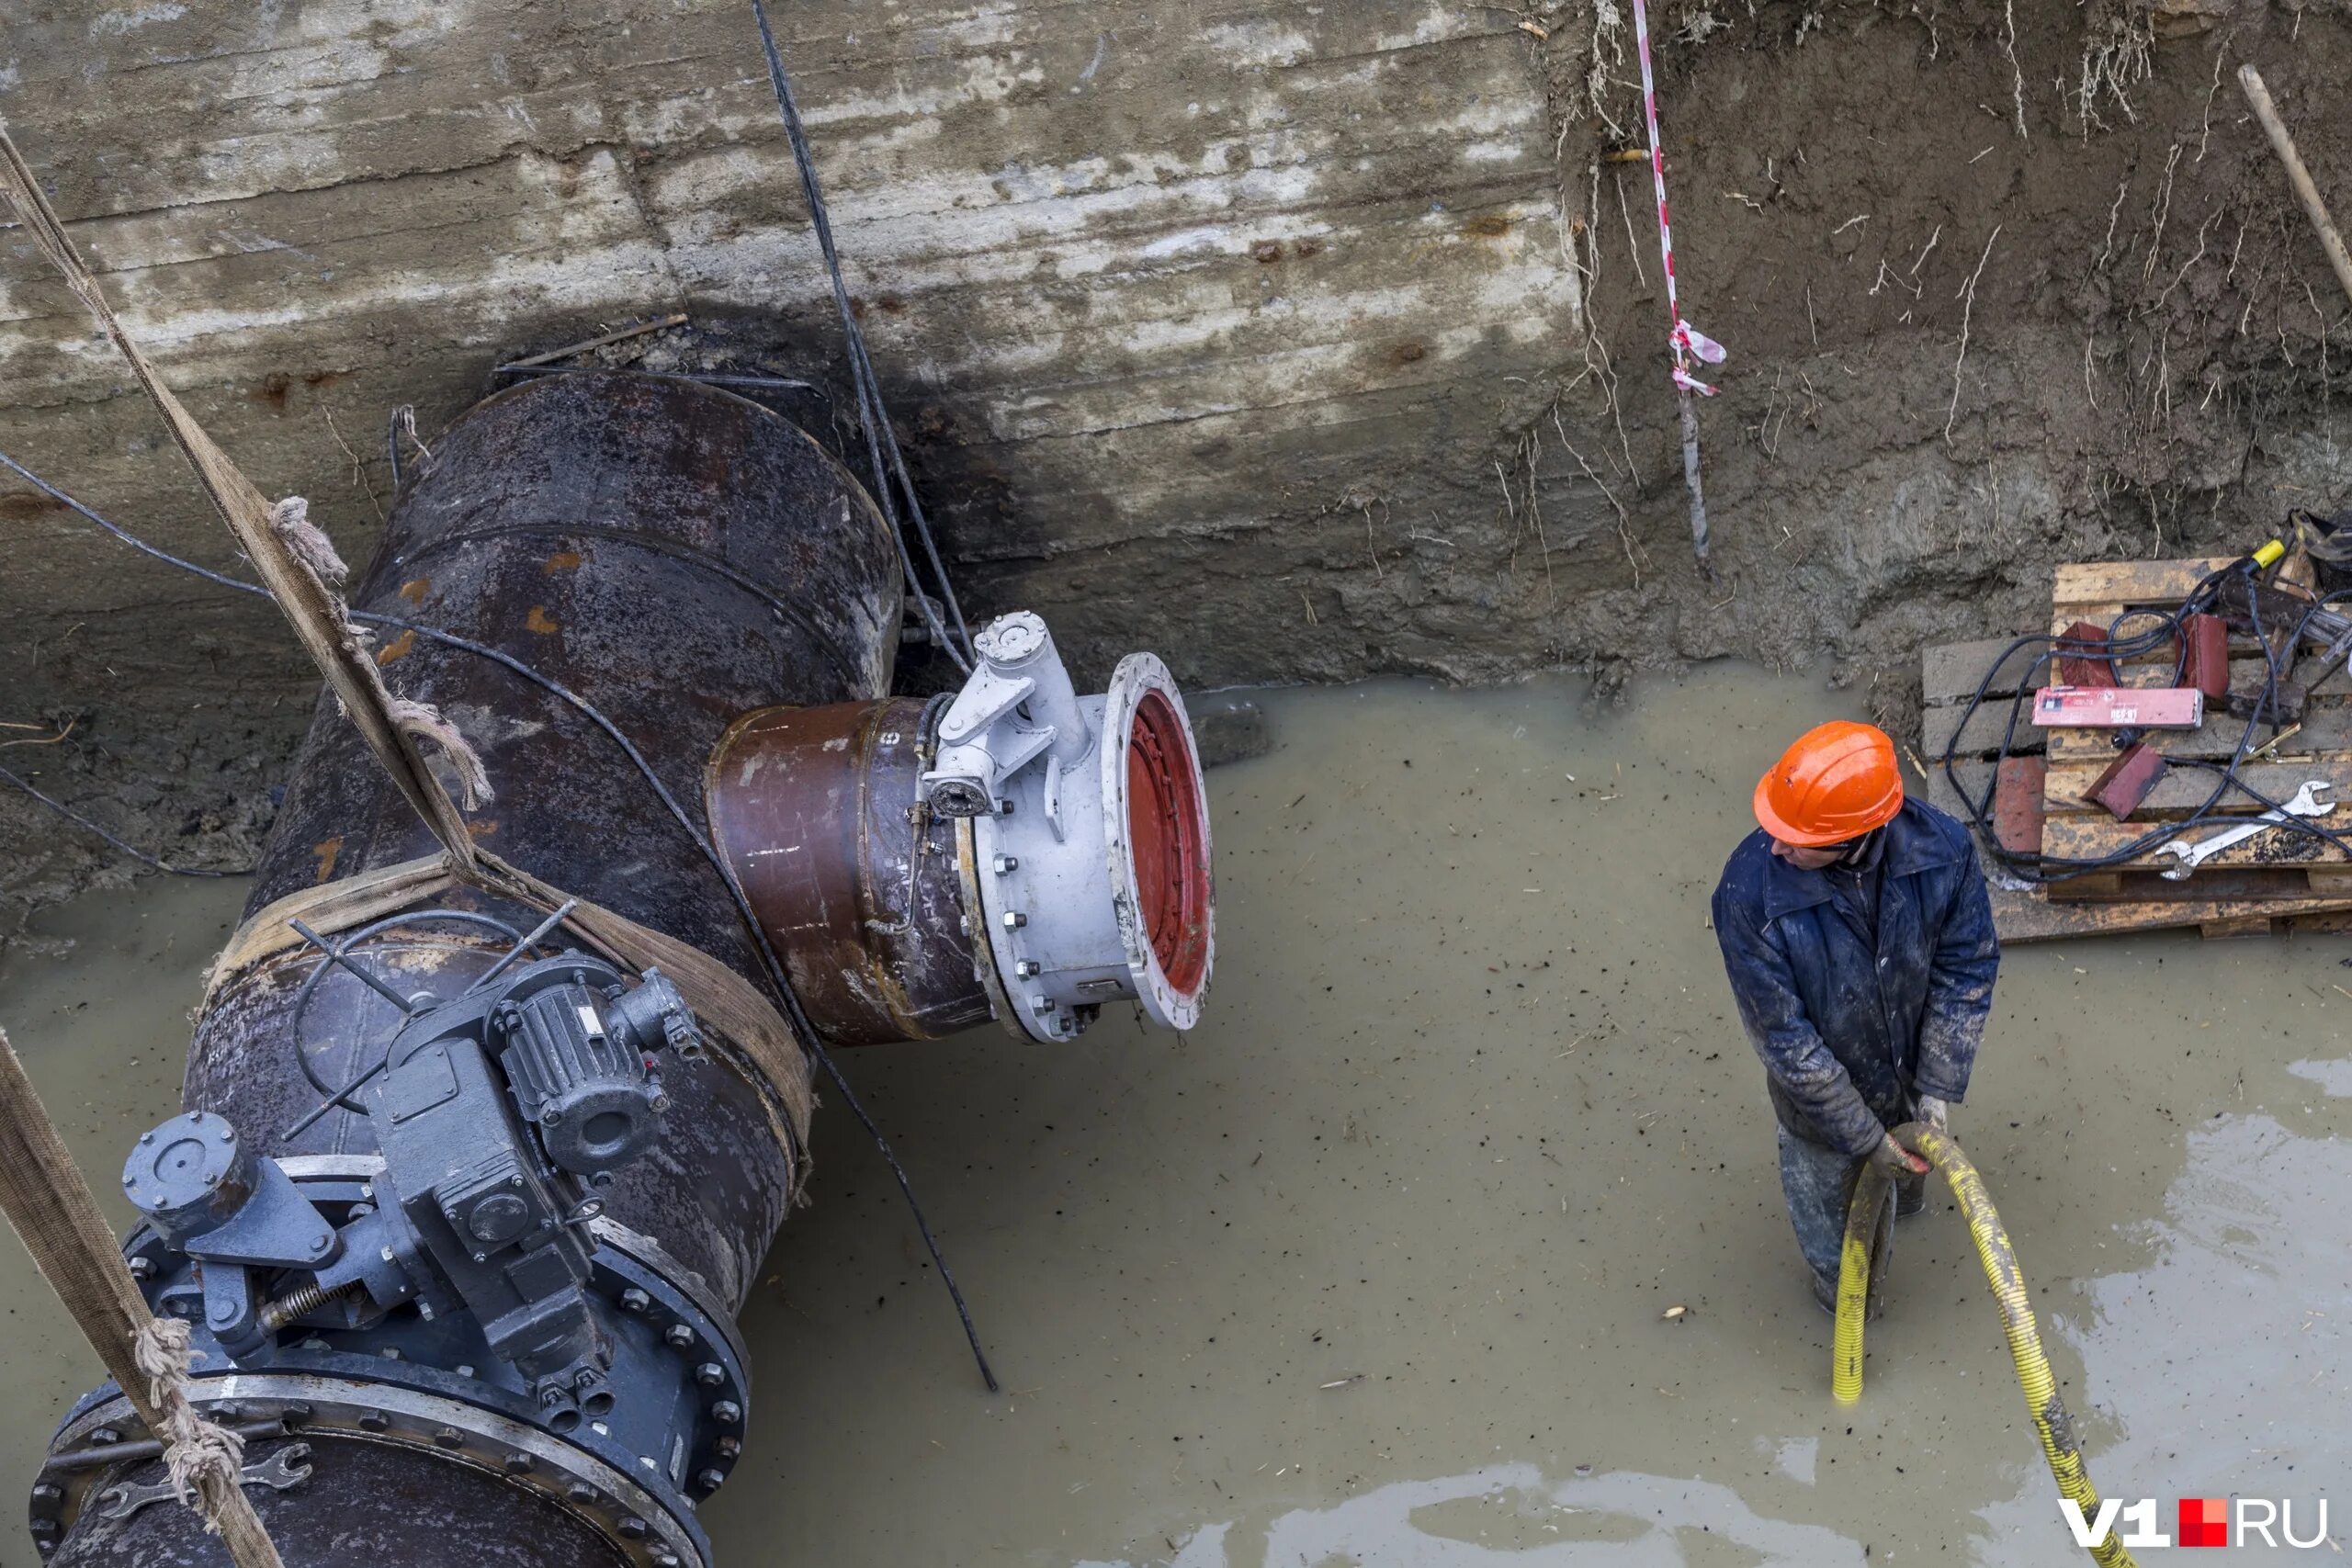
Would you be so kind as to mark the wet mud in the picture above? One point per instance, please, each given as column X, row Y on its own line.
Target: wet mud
column 1374, row 1267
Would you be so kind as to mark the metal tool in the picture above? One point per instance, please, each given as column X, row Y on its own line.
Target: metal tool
column 281, row 1471
column 2306, row 803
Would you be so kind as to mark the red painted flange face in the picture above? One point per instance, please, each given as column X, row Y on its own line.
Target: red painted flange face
column 1169, row 841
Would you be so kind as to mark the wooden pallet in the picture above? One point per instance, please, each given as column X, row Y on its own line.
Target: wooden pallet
column 2251, row 887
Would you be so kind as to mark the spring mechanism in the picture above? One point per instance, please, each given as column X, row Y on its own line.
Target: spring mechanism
column 277, row 1313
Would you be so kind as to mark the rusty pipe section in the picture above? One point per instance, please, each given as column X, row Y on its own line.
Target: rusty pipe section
column 819, row 812
column 676, row 556
column 1012, row 850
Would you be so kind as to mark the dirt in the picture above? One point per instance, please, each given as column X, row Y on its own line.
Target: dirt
column 1376, row 1266
column 2003, row 286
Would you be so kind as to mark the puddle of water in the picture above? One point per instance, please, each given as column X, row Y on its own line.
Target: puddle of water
column 1372, row 1266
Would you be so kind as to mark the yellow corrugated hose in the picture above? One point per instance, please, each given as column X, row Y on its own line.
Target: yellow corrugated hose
column 2051, row 1420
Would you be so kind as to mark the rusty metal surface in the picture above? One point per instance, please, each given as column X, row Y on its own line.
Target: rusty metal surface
column 2121, row 787
column 2018, row 804
column 2089, row 664
column 364, row 1503
column 817, row 810
column 567, row 522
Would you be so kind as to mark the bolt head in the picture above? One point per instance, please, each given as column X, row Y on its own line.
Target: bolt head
column 1007, row 864
column 373, row 1421
column 142, row 1268
column 635, row 1300
column 48, row 1492
column 518, row 1464
column 105, row 1437
column 729, row 1447
column 711, row 1480
column 1014, row 920
column 710, row 1374
column 632, row 1527
column 448, row 1437
column 680, row 1334
column 726, row 1413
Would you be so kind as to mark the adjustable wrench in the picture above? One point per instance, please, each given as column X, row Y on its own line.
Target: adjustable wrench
column 281, row 1471
column 2306, row 803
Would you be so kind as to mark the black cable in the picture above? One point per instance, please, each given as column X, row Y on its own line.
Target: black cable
column 879, row 433
column 2045, row 869
column 778, row 977
column 706, row 377
column 142, row 856
column 340, row 952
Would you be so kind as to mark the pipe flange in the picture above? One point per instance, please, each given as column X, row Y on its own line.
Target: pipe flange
column 976, row 926
column 632, row 1519
column 1155, row 839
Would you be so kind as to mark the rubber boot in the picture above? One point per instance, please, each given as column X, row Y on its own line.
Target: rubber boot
column 1910, row 1195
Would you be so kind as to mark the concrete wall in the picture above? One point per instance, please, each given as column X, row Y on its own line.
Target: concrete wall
column 1170, row 296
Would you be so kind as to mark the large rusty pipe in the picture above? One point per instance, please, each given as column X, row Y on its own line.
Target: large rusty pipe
column 676, row 556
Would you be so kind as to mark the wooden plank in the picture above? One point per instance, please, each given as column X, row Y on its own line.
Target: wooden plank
column 2025, row 917
column 1940, row 729
column 1975, row 776
column 2091, row 837
column 2328, row 728
column 1950, row 673
column 2182, row 790
column 2234, row 926
column 2252, row 885
column 2132, row 581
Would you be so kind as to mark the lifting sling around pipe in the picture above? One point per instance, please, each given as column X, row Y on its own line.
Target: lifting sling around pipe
column 1872, row 1187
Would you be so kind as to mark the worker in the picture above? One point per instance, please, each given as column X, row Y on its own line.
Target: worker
column 1858, row 940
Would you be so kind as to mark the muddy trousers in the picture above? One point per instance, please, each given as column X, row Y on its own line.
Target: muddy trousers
column 1817, row 1182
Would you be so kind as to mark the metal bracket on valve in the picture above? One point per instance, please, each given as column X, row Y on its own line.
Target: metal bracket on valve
column 1081, row 890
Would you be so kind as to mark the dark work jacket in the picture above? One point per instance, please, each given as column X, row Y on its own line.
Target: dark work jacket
column 1851, row 1032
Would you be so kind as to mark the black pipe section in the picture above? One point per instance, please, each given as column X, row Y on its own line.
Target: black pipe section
column 677, row 556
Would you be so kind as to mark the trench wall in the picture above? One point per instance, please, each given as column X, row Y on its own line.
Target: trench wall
column 1298, row 342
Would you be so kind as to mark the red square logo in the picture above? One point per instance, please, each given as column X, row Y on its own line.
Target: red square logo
column 2204, row 1521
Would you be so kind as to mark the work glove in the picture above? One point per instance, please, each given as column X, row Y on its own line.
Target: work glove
column 1892, row 1160
column 1935, row 1113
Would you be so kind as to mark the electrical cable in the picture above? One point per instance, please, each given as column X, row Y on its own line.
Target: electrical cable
column 881, row 435
column 778, row 977
column 706, row 377
column 142, row 856
column 2043, row 869
column 339, row 953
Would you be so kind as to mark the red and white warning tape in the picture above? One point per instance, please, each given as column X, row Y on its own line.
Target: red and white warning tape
column 1687, row 340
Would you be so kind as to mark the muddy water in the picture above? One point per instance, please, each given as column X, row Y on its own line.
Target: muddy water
column 1373, row 1267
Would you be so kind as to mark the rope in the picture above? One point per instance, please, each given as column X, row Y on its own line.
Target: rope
column 50, row 1203
column 1684, row 340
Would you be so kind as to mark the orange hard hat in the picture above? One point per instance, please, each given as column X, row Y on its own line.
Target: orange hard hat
column 1837, row 783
